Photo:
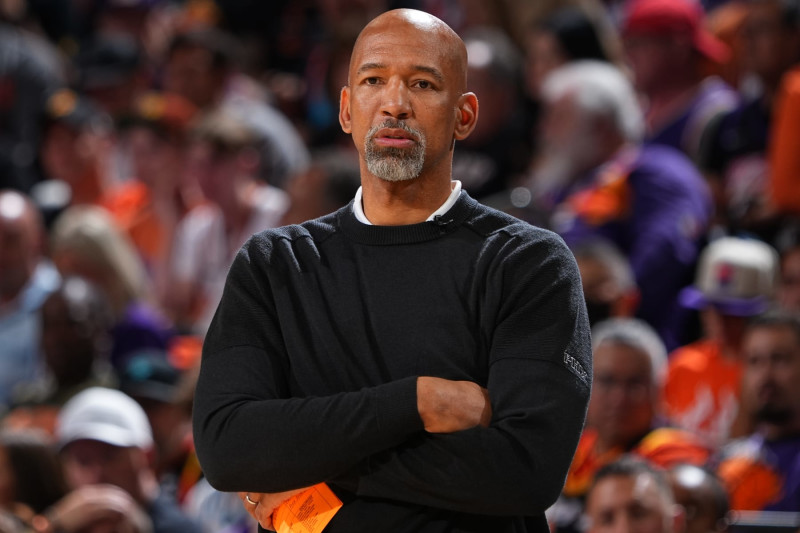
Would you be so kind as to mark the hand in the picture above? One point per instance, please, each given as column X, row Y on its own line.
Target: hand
column 95, row 504
column 265, row 505
column 447, row 406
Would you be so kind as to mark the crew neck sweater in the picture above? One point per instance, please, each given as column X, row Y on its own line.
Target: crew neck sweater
column 310, row 365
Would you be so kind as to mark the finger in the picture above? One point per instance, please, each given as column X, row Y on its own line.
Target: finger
column 263, row 517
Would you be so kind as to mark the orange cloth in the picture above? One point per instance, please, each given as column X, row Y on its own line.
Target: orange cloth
column 701, row 392
column 663, row 447
column 131, row 206
column 784, row 155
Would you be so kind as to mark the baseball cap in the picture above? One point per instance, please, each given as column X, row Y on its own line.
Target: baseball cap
column 108, row 60
column 105, row 415
column 67, row 107
column 671, row 17
column 149, row 375
column 736, row 276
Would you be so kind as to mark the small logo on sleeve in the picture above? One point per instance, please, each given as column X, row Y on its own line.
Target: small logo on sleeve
column 576, row 368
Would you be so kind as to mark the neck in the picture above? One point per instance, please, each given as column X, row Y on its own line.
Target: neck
column 404, row 202
column 667, row 100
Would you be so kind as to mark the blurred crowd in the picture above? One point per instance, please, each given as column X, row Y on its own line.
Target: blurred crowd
column 143, row 141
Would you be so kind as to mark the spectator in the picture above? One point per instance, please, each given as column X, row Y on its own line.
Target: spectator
column 703, row 497
column 497, row 152
column 600, row 181
column 789, row 284
column 33, row 478
column 26, row 279
column 87, row 243
column 223, row 159
column 735, row 280
column 666, row 45
column 150, row 206
column 75, row 343
column 737, row 156
column 607, row 279
column 629, row 363
column 30, row 69
column 567, row 34
column 104, row 437
column 200, row 67
column 330, row 183
column 762, row 470
column 75, row 146
column 630, row 496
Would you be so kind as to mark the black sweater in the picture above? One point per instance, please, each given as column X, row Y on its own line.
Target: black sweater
column 309, row 369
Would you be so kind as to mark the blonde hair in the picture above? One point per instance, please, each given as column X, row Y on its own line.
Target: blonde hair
column 90, row 234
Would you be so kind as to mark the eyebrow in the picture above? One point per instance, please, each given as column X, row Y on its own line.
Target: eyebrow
column 422, row 68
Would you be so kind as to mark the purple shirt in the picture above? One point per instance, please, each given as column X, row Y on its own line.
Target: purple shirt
column 663, row 213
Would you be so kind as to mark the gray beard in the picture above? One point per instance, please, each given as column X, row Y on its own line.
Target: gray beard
column 394, row 164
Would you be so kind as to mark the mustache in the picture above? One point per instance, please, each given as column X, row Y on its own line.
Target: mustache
column 393, row 124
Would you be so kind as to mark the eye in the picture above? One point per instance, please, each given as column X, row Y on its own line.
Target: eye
column 424, row 84
column 372, row 80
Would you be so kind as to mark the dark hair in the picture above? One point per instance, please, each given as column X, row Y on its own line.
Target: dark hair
column 222, row 47
column 576, row 33
column 630, row 466
column 777, row 318
column 38, row 476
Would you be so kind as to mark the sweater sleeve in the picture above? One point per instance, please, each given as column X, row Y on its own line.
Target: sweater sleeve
column 250, row 434
column 539, row 384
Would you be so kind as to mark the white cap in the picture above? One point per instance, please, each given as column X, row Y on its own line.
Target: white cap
column 104, row 415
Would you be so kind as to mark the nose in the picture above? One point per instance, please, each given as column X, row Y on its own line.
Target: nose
column 396, row 102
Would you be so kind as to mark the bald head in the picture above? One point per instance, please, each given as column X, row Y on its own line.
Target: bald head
column 20, row 242
column 413, row 26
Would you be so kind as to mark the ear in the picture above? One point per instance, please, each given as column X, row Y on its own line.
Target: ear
column 466, row 117
column 344, row 109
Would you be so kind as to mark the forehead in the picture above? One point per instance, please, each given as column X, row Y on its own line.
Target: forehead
column 618, row 358
column 405, row 45
column 622, row 491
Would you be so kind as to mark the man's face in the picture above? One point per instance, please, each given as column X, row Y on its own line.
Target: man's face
column 90, row 462
column 623, row 504
column 19, row 245
column 621, row 407
column 190, row 72
column 789, row 290
column 654, row 58
column 402, row 108
column 770, row 46
column 772, row 373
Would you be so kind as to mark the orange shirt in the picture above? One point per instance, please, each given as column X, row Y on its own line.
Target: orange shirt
column 784, row 155
column 701, row 392
column 664, row 447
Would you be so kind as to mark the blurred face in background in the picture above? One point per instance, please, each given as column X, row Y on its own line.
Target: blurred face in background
column 622, row 404
column 20, row 244
column 772, row 373
column 625, row 504
column 655, row 59
column 190, row 72
column 157, row 162
column 544, row 54
column 770, row 45
column 789, row 286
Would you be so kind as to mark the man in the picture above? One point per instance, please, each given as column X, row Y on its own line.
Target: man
column 736, row 160
column 761, row 470
column 703, row 497
column 735, row 281
column 600, row 181
column 439, row 349
column 26, row 279
column 630, row 496
column 629, row 362
column 222, row 158
column 667, row 47
column 104, row 438
column 200, row 67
